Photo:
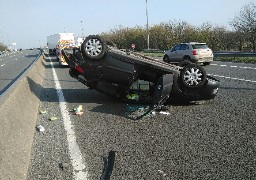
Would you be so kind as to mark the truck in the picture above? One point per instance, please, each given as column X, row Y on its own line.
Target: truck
column 57, row 42
column 79, row 41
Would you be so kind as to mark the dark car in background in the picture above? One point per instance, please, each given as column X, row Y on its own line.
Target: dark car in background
column 135, row 78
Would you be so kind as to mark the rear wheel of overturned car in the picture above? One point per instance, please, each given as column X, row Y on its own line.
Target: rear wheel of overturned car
column 193, row 76
column 93, row 47
column 166, row 59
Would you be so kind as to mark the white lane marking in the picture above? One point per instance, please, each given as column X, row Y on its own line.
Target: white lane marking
column 2, row 65
column 246, row 80
column 241, row 67
column 79, row 167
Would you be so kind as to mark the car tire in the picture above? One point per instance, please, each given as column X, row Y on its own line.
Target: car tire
column 193, row 76
column 186, row 58
column 206, row 63
column 93, row 47
column 166, row 59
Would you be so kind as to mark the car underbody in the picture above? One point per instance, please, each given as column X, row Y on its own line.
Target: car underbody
column 135, row 78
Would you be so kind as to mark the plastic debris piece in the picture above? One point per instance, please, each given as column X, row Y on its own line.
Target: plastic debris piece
column 40, row 128
column 43, row 112
column 79, row 113
column 160, row 112
column 135, row 108
column 137, row 112
column 63, row 166
column 78, row 109
column 133, row 96
column 164, row 112
column 162, row 172
column 53, row 118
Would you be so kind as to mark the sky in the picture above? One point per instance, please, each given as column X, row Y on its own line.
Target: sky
column 28, row 22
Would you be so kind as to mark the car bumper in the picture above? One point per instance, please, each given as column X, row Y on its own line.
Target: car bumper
column 206, row 92
column 203, row 60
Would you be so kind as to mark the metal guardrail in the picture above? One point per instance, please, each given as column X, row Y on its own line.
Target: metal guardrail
column 234, row 54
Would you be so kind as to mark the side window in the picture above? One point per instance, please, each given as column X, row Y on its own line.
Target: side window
column 177, row 47
column 183, row 47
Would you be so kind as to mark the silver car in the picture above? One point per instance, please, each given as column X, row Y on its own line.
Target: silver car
column 193, row 52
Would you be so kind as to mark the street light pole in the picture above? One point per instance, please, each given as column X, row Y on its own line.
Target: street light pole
column 82, row 28
column 147, row 23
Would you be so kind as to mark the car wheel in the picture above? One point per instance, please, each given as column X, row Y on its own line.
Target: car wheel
column 206, row 63
column 93, row 47
column 166, row 59
column 193, row 76
column 186, row 58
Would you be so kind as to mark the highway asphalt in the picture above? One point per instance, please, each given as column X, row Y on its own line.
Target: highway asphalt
column 210, row 140
column 13, row 64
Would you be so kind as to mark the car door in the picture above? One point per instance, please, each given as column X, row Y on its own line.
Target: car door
column 174, row 55
column 182, row 52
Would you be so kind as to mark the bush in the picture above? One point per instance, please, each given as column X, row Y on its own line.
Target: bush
column 3, row 47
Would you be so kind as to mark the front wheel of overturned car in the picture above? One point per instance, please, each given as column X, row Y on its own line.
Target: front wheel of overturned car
column 93, row 47
column 193, row 76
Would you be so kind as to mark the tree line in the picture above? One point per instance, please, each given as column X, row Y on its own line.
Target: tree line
column 3, row 47
column 166, row 34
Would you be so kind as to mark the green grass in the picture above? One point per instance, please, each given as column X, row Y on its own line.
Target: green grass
column 153, row 54
column 237, row 59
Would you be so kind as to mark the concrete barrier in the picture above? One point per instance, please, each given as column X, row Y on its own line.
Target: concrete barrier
column 18, row 114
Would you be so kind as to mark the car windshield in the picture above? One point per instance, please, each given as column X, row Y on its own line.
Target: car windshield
column 68, row 50
column 200, row 46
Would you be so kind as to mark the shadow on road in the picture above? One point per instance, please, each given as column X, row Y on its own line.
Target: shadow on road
column 106, row 104
column 32, row 55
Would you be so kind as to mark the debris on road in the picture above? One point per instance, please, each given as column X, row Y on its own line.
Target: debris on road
column 40, row 128
column 53, row 118
column 78, row 110
column 43, row 112
column 137, row 112
column 108, row 165
column 160, row 112
column 63, row 166
column 133, row 96
column 162, row 172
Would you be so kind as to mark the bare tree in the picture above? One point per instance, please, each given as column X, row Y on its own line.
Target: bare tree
column 245, row 23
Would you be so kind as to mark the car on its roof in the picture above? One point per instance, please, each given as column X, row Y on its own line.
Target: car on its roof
column 193, row 52
column 135, row 78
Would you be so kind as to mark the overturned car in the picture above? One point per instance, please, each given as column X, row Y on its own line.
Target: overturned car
column 136, row 78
